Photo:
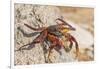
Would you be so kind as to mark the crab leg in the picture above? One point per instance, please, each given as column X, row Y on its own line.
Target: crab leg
column 70, row 46
column 55, row 43
column 72, row 39
column 50, row 49
column 76, row 44
column 65, row 23
column 38, row 39
column 27, row 34
column 39, row 29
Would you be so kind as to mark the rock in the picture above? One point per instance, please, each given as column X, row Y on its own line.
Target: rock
column 35, row 15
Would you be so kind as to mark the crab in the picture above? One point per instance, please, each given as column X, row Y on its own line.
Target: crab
column 53, row 35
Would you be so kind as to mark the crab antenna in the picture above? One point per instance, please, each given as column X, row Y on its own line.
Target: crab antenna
column 65, row 23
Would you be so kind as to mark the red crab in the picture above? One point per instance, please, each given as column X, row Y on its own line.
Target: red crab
column 52, row 34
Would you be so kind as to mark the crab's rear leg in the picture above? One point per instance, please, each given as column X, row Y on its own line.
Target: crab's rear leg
column 38, row 39
column 35, row 29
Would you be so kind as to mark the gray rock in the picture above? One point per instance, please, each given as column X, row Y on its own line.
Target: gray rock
column 35, row 15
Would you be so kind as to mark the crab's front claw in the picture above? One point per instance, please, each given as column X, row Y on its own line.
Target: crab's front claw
column 72, row 40
column 68, row 49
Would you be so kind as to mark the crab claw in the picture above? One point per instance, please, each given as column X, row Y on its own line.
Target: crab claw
column 72, row 39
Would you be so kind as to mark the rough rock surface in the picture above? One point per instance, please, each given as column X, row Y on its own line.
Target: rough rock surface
column 35, row 16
